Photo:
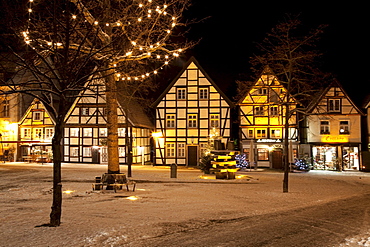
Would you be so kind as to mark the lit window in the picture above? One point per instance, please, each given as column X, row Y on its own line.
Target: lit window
column 261, row 133
column 214, row 121
column 203, row 93
column 26, row 133
column 74, row 132
column 334, row 105
column 192, row 121
column 170, row 121
column 121, row 151
column 74, row 152
column 181, row 150
column 37, row 133
column 103, row 132
column 49, row 133
column 324, row 127
column 87, row 152
column 344, row 127
column 87, row 132
column 263, row 154
column 170, row 149
column 181, row 93
column 250, row 133
column 275, row 133
column 121, row 132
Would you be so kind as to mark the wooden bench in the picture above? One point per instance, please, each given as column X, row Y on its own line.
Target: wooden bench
column 113, row 181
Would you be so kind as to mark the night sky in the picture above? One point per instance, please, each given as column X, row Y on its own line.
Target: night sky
column 228, row 37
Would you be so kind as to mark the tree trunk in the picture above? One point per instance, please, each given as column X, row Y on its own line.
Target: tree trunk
column 112, row 121
column 56, row 208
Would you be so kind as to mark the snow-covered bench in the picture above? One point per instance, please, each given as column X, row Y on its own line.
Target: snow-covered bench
column 113, row 181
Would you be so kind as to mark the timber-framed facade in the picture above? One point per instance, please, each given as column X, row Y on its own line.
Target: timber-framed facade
column 85, row 136
column 191, row 115
column 262, row 119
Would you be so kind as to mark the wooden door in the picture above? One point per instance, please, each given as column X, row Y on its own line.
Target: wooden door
column 192, row 156
column 277, row 159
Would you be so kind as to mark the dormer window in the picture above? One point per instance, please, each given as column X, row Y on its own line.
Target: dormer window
column 334, row 105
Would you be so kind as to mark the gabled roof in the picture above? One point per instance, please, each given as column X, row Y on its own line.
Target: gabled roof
column 321, row 95
column 266, row 71
column 189, row 62
column 32, row 106
column 131, row 109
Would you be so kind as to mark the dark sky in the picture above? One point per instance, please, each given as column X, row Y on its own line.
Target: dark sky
column 233, row 27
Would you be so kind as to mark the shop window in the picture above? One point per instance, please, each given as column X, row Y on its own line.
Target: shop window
column 181, row 150
column 324, row 127
column 334, row 105
column 170, row 121
column 263, row 154
column 181, row 93
column 344, row 127
column 170, row 149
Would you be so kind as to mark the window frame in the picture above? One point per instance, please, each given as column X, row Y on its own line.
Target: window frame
column 346, row 127
column 203, row 93
column 170, row 150
column 214, row 118
column 334, row 105
column 181, row 93
column 324, row 127
column 192, row 121
column 170, row 121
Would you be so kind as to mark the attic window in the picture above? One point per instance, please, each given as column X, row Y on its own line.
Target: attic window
column 262, row 91
column 37, row 116
column 334, row 105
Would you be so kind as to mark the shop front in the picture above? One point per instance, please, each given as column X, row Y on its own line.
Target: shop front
column 336, row 157
column 268, row 153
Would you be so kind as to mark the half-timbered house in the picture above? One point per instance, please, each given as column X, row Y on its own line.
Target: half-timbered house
column 191, row 115
column 36, row 129
column 334, row 130
column 85, row 136
column 262, row 119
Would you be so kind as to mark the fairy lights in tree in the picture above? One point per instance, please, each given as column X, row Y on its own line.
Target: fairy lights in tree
column 144, row 26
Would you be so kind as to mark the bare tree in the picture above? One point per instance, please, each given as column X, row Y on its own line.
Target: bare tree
column 72, row 41
column 290, row 51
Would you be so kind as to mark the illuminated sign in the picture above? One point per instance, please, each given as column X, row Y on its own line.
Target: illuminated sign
column 334, row 139
column 269, row 140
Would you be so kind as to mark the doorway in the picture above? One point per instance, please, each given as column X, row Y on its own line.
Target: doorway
column 192, row 155
column 277, row 159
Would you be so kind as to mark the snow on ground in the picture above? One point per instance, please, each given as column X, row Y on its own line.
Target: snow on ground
column 161, row 204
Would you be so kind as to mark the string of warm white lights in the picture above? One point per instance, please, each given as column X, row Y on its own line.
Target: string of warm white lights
column 137, row 51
